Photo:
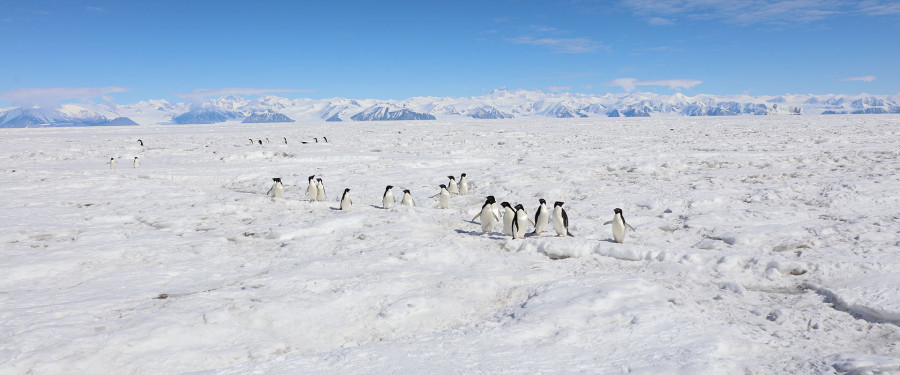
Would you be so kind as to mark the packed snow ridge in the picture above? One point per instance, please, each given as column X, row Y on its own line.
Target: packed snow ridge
column 498, row 104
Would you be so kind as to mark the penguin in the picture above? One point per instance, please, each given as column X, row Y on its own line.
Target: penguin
column 618, row 226
column 316, row 139
column 452, row 187
column 141, row 142
column 387, row 201
column 445, row 197
column 541, row 218
column 136, row 162
column 320, row 190
column 285, row 140
column 488, row 217
column 260, row 142
column 267, row 140
column 508, row 215
column 520, row 222
column 345, row 200
column 311, row 189
column 495, row 209
column 277, row 190
column 463, row 185
column 112, row 163
column 326, row 139
column 251, row 141
column 560, row 220
column 407, row 199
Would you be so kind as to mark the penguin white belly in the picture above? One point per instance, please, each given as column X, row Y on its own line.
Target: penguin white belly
column 507, row 222
column 445, row 200
column 407, row 200
column 618, row 229
column 542, row 220
column 277, row 191
column 312, row 192
column 320, row 193
column 137, row 163
column 521, row 226
column 388, row 200
column 345, row 202
column 487, row 219
column 452, row 188
column 463, row 187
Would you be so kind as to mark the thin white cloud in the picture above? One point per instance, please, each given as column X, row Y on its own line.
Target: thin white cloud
column 858, row 79
column 197, row 96
column 96, row 9
column 880, row 8
column 52, row 97
column 629, row 84
column 659, row 21
column 561, row 45
column 740, row 12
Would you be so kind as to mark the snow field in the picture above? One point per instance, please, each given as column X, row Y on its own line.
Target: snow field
column 763, row 245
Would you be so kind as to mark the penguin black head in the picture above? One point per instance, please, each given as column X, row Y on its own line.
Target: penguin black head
column 346, row 190
column 319, row 179
column 520, row 207
column 112, row 158
column 491, row 197
column 312, row 177
column 558, row 204
column 260, row 141
column 462, row 175
column 141, row 142
column 443, row 186
column 505, row 204
column 451, row 178
column 617, row 211
column 277, row 179
column 542, row 201
column 407, row 191
column 389, row 187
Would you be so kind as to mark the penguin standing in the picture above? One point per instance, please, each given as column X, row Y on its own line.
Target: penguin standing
column 326, row 139
column 560, row 220
column 445, row 197
column 520, row 222
column 452, row 187
column 141, row 142
column 495, row 209
column 277, row 190
column 136, row 162
column 260, row 142
column 316, row 139
column 508, row 215
column 488, row 217
column 112, row 163
column 407, row 199
column 320, row 190
column 251, row 141
column 541, row 218
column 285, row 140
column 345, row 200
column 618, row 226
column 463, row 185
column 311, row 189
column 387, row 201
column 267, row 140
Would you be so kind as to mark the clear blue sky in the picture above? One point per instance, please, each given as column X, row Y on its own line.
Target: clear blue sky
column 399, row 49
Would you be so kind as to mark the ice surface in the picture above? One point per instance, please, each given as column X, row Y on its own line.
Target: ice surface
column 762, row 245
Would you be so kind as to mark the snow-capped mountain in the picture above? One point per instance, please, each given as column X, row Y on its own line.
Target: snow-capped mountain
column 266, row 117
column 497, row 104
column 68, row 115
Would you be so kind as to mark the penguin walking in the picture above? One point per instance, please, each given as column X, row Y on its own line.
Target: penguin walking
column 445, row 197
column 311, row 189
column 618, row 226
column 141, row 142
column 112, row 163
column 316, row 139
column 277, row 190
column 251, row 141
column 463, row 185
column 326, row 139
column 407, row 199
column 541, row 218
column 345, row 200
column 285, row 140
column 560, row 220
column 508, row 215
column 387, row 200
column 488, row 217
column 136, row 162
column 452, row 187
column 260, row 142
column 520, row 222
column 320, row 190
column 267, row 140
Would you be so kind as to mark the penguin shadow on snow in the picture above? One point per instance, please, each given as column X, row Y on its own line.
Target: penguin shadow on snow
column 478, row 233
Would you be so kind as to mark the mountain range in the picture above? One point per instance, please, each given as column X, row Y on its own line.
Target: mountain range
column 498, row 104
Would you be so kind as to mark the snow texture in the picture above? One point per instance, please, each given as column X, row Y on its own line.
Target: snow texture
column 763, row 245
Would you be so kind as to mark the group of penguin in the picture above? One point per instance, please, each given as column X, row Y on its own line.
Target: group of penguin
column 515, row 219
column 137, row 164
column 260, row 142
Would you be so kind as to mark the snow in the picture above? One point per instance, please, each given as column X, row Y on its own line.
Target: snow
column 762, row 245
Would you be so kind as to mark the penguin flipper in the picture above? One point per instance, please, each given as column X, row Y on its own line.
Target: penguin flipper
column 476, row 216
column 495, row 216
column 569, row 233
column 608, row 222
column 629, row 226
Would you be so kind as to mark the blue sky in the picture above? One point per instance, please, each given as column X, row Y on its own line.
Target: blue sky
column 135, row 50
